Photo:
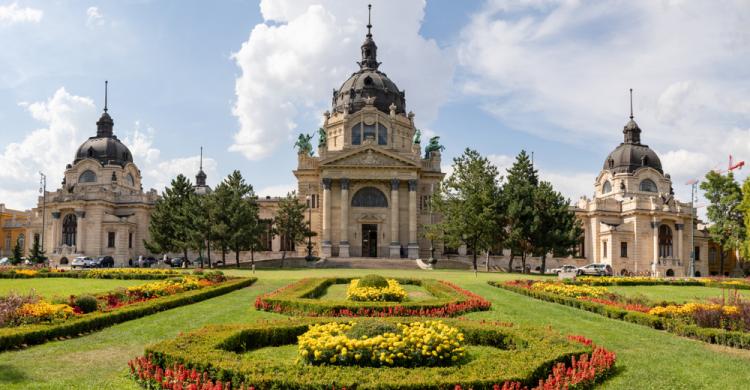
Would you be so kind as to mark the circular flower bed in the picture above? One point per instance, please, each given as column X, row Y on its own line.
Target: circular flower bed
column 391, row 292
column 416, row 344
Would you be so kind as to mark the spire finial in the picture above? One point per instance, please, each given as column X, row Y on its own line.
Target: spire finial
column 631, row 103
column 369, row 23
column 105, row 95
column 201, row 167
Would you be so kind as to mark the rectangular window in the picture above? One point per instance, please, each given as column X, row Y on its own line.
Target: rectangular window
column 604, row 249
column 369, row 132
column 713, row 255
column 697, row 253
column 130, row 240
column 382, row 135
column 110, row 239
column 357, row 134
column 623, row 249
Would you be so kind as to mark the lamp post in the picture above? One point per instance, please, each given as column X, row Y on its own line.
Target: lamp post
column 43, row 191
column 309, row 256
column 432, row 259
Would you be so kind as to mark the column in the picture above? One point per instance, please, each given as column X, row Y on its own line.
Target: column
column 344, row 244
column 325, row 247
column 395, row 247
column 80, row 216
column 679, row 228
column 413, row 243
column 655, row 234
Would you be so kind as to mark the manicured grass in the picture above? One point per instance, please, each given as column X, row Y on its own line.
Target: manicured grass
column 63, row 287
column 647, row 358
column 337, row 292
column 678, row 294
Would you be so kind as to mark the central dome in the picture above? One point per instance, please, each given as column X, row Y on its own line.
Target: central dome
column 104, row 147
column 631, row 155
column 367, row 84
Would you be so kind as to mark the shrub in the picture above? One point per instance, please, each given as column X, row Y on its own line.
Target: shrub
column 392, row 292
column 372, row 280
column 86, row 303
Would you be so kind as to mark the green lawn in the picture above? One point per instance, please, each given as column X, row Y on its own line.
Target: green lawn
column 63, row 287
column 647, row 358
column 337, row 292
column 678, row 294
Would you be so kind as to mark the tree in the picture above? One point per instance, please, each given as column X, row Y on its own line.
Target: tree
column 745, row 208
column 519, row 199
column 556, row 228
column 171, row 222
column 727, row 227
column 17, row 256
column 202, row 211
column 37, row 253
column 468, row 201
column 290, row 223
column 220, row 218
column 242, row 217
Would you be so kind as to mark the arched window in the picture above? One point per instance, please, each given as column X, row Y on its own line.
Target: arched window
column 357, row 134
column 607, row 187
column 70, row 227
column 369, row 197
column 87, row 177
column 382, row 135
column 648, row 185
column 665, row 241
column 129, row 179
column 369, row 132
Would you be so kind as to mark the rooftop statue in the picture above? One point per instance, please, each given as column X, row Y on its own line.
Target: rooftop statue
column 322, row 137
column 433, row 146
column 417, row 137
column 303, row 144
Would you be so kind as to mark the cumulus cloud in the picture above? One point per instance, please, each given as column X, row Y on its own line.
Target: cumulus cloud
column 161, row 173
column 140, row 144
column 290, row 63
column 276, row 190
column 12, row 13
column 561, row 70
column 94, row 17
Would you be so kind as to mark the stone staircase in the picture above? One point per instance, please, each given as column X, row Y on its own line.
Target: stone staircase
column 352, row 262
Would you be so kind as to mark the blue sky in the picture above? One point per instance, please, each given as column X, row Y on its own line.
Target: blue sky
column 242, row 78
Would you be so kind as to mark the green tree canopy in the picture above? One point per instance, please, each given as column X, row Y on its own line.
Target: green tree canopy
column 290, row 223
column 519, row 198
column 171, row 226
column 724, row 211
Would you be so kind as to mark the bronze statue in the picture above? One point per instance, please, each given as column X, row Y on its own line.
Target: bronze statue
column 303, row 144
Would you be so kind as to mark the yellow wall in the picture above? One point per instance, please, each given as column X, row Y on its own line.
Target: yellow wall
column 12, row 227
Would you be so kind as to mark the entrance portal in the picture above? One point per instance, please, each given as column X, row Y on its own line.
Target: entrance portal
column 369, row 240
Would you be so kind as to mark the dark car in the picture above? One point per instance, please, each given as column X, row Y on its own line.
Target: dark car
column 596, row 270
column 180, row 262
column 103, row 262
column 146, row 262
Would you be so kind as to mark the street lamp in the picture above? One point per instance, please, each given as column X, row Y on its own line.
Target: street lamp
column 432, row 259
column 43, row 191
column 309, row 256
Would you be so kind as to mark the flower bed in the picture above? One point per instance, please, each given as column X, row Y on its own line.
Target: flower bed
column 98, row 273
column 393, row 292
column 32, row 320
column 302, row 298
column 231, row 357
column 717, row 322
column 719, row 282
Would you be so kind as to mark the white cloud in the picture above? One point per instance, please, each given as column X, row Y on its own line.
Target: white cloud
column 561, row 70
column 291, row 62
column 161, row 173
column 94, row 17
column 276, row 190
column 12, row 13
column 140, row 144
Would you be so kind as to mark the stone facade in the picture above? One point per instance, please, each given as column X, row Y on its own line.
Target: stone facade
column 13, row 230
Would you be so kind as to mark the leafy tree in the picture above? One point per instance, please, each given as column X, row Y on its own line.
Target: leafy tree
column 519, row 198
column 202, row 211
column 469, row 200
column 556, row 228
column 725, row 212
column 242, row 217
column 290, row 223
column 745, row 208
column 221, row 218
column 17, row 255
column 37, row 253
column 171, row 222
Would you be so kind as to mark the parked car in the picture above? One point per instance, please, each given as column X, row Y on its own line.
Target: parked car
column 517, row 268
column 82, row 262
column 103, row 262
column 596, row 270
column 179, row 262
column 147, row 262
column 5, row 261
column 564, row 268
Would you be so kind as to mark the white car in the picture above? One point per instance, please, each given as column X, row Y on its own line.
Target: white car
column 565, row 268
column 82, row 262
column 5, row 261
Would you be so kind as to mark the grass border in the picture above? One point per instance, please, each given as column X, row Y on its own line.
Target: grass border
column 217, row 351
column 26, row 335
column 734, row 339
column 300, row 298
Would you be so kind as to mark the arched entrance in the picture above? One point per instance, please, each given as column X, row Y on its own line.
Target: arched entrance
column 670, row 272
column 64, row 261
column 70, row 228
column 665, row 242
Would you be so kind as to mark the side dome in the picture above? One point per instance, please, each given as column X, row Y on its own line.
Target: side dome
column 106, row 150
column 631, row 155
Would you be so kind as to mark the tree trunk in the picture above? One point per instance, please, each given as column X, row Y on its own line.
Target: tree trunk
column 184, row 252
column 487, row 264
column 237, row 257
column 544, row 264
column 474, row 260
column 721, row 263
column 510, row 262
column 252, row 258
column 523, row 262
column 208, row 251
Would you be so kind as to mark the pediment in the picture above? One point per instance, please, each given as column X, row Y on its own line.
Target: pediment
column 369, row 157
column 371, row 218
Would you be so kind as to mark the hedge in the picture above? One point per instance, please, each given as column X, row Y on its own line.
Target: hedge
column 524, row 354
column 302, row 298
column 25, row 335
column 125, row 274
column 735, row 339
